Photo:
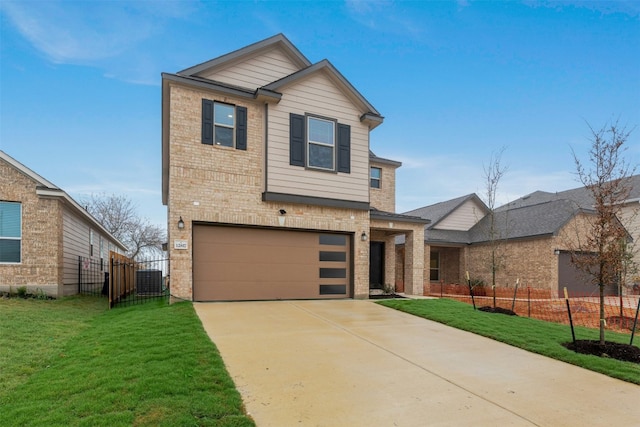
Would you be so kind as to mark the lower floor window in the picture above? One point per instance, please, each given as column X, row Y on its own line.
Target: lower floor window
column 434, row 267
column 10, row 232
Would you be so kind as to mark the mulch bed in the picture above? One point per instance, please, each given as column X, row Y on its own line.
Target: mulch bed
column 489, row 309
column 624, row 352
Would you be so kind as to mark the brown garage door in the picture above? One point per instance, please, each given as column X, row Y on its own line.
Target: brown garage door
column 233, row 263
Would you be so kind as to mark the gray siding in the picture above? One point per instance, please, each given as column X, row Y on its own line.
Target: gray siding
column 319, row 96
column 463, row 218
column 262, row 69
column 75, row 242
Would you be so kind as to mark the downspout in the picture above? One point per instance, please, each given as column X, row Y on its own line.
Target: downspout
column 266, row 145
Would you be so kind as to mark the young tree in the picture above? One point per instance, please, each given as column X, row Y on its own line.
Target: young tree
column 600, row 252
column 119, row 216
column 493, row 173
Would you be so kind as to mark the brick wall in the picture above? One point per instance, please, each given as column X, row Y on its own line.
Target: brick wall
column 40, row 266
column 532, row 261
column 384, row 198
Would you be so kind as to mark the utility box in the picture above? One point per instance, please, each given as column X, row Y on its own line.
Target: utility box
column 149, row 281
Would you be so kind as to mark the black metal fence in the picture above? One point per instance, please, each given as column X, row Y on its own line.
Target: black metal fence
column 135, row 282
column 123, row 280
column 93, row 276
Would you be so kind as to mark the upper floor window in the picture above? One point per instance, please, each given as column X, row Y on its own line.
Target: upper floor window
column 319, row 143
column 10, row 232
column 224, row 121
column 376, row 175
column 224, row 124
column 321, row 140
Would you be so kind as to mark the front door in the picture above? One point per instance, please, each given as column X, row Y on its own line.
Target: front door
column 376, row 265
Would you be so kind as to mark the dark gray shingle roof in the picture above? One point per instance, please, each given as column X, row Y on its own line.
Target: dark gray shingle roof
column 581, row 196
column 527, row 221
column 537, row 214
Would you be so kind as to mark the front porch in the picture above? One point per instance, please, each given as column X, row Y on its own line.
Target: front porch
column 384, row 228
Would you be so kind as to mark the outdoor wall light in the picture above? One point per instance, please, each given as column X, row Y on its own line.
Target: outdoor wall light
column 363, row 236
column 281, row 217
column 180, row 223
column 556, row 252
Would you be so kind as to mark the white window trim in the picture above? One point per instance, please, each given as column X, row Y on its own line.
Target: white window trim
column 379, row 179
column 224, row 125
column 332, row 146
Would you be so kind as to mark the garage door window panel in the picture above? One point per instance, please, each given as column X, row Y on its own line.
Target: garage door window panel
column 333, row 256
column 333, row 239
column 333, row 289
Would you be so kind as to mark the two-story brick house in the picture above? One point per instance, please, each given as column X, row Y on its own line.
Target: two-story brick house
column 267, row 176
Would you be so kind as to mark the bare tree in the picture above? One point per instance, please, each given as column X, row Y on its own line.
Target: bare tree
column 601, row 250
column 493, row 173
column 119, row 216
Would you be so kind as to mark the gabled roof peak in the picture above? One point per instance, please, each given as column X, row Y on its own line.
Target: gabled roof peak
column 278, row 40
column 26, row 171
column 369, row 112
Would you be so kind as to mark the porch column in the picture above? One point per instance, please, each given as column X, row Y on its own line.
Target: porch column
column 390, row 261
column 414, row 262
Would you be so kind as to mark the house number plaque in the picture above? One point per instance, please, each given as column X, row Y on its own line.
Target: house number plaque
column 180, row 244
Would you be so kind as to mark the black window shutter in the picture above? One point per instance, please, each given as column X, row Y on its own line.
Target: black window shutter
column 241, row 128
column 207, row 122
column 344, row 148
column 296, row 140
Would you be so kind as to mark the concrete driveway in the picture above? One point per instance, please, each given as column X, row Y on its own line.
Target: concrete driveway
column 355, row 363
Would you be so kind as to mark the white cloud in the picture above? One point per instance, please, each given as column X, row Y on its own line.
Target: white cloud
column 425, row 181
column 628, row 7
column 95, row 33
column 383, row 16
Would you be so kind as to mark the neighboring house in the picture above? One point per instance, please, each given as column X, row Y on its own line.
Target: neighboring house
column 533, row 234
column 43, row 231
column 267, row 176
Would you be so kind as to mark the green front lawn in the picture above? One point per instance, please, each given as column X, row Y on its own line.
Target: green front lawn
column 72, row 362
column 529, row 334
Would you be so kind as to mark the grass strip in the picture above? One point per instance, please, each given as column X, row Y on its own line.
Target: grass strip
column 148, row 365
column 533, row 335
column 35, row 331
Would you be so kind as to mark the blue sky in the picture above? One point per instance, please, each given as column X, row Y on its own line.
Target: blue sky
column 456, row 82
